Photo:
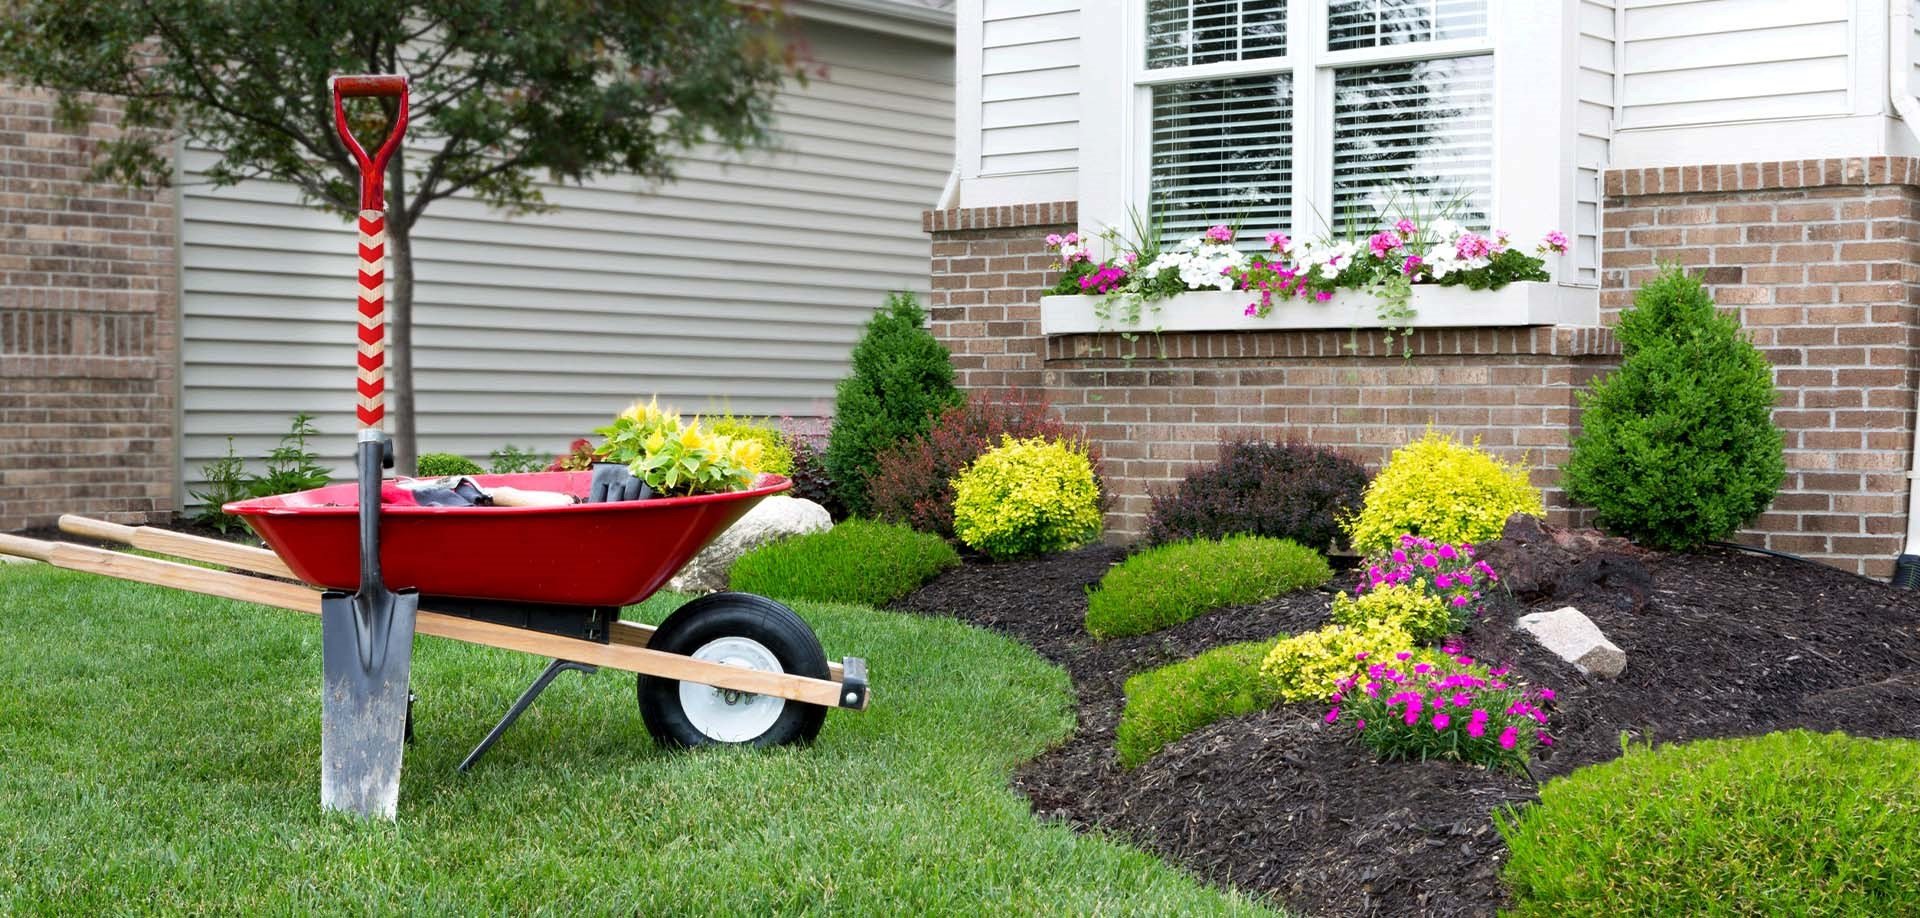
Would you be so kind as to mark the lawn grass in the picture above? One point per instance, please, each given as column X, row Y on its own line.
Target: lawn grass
column 159, row 753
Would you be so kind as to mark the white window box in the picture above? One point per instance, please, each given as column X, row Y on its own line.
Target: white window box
column 1525, row 303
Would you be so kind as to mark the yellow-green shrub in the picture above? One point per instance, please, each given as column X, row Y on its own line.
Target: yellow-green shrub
column 1027, row 497
column 1305, row 667
column 1411, row 606
column 1442, row 489
column 776, row 457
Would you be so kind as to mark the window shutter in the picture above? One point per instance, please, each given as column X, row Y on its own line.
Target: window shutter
column 1185, row 32
column 1414, row 127
column 1223, row 153
column 1380, row 23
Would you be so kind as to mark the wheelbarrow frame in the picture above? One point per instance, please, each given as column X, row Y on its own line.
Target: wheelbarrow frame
column 252, row 577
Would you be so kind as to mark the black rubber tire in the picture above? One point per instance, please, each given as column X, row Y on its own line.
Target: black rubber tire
column 720, row 615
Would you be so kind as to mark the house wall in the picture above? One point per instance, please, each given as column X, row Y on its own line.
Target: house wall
column 87, row 325
column 743, row 284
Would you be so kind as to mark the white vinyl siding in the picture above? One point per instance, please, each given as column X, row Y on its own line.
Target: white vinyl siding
column 1029, row 105
column 741, row 285
column 1718, row 61
column 1593, row 116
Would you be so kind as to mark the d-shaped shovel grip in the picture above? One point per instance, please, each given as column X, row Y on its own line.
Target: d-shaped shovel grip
column 373, row 169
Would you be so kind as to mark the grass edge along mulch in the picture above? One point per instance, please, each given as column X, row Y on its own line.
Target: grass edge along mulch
column 162, row 756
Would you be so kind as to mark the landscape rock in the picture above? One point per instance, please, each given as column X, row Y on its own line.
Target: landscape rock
column 774, row 518
column 1538, row 562
column 1574, row 638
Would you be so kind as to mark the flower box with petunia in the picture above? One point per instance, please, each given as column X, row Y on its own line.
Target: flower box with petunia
column 1405, row 276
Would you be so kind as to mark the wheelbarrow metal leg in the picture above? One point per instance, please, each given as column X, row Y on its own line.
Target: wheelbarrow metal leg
column 553, row 670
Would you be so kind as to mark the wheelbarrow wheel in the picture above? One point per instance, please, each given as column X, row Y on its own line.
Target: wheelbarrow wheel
column 738, row 629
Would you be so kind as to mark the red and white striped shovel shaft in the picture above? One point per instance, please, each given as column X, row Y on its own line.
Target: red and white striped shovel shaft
column 373, row 318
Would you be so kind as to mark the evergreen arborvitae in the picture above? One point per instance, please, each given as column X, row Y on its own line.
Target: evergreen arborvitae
column 902, row 379
column 1678, row 446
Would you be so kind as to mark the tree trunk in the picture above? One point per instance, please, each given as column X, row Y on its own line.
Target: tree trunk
column 400, row 318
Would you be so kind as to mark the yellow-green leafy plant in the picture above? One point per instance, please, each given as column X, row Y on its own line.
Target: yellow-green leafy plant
column 1410, row 606
column 1443, row 490
column 675, row 457
column 776, row 456
column 1027, row 497
column 1306, row 666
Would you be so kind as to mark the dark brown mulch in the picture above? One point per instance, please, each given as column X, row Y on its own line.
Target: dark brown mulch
column 1277, row 803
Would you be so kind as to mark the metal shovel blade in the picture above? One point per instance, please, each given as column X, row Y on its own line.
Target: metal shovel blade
column 366, row 645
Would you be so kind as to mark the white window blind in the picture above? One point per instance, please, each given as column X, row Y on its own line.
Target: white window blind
column 1223, row 153
column 1381, row 23
column 1423, row 128
column 1182, row 33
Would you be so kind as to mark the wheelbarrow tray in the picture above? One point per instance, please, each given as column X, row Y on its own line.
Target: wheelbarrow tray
column 605, row 554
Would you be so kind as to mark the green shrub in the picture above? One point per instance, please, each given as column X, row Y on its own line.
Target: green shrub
column 1306, row 666
column 1027, row 497
column 440, row 465
column 1789, row 823
column 1168, row 703
column 776, row 457
column 858, row 561
column 1442, row 489
column 902, row 378
column 1678, row 446
column 1411, row 606
column 227, row 481
column 291, row 466
column 510, row 459
column 1170, row 584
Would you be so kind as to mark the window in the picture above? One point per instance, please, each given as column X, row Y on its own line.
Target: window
column 1312, row 114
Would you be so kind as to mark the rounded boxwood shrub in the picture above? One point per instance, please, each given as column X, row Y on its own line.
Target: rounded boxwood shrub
column 440, row 465
column 1168, row 703
column 1677, row 447
column 912, row 481
column 902, row 379
column 858, row 561
column 1306, row 666
column 1443, row 490
column 1027, row 497
column 1793, row 823
column 1170, row 584
column 1294, row 491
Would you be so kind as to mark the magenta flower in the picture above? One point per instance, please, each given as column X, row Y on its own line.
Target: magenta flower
column 1422, row 668
column 1133, row 257
column 1546, row 694
column 1360, row 724
column 1361, row 656
column 1411, row 265
column 1472, row 245
column 1429, row 560
column 1382, row 243
column 1444, row 581
column 1441, row 720
column 1279, row 242
column 1404, row 226
column 1334, row 714
column 1462, row 699
column 1508, row 737
column 1447, row 552
column 1054, row 240
column 1459, row 601
column 1399, row 556
column 1556, row 241
column 1323, row 295
column 1220, row 233
column 1071, row 238
column 1545, row 740
column 1403, row 655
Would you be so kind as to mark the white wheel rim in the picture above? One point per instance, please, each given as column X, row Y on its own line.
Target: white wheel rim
column 726, row 715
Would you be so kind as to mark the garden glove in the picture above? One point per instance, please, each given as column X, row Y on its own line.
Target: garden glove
column 613, row 481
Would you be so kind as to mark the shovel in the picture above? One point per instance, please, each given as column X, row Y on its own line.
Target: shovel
column 366, row 638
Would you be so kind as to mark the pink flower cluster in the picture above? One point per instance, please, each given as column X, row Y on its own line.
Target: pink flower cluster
column 1103, row 279
column 1450, row 571
column 1446, row 707
column 1066, row 244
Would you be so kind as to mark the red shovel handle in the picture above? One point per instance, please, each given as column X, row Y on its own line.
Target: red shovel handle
column 372, row 362
column 373, row 169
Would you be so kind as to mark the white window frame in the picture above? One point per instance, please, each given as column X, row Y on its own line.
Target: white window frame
column 1534, row 105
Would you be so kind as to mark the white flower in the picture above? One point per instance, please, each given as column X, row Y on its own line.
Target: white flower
column 1444, row 230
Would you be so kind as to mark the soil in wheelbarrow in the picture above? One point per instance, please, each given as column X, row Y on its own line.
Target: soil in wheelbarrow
column 1278, row 804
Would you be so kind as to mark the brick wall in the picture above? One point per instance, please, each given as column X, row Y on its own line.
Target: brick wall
column 1158, row 406
column 88, row 327
column 1819, row 259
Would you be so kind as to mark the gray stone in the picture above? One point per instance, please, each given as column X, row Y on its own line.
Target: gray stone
column 774, row 518
column 1576, row 639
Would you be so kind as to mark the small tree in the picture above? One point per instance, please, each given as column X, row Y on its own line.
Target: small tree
column 1678, row 446
column 902, row 379
column 501, row 90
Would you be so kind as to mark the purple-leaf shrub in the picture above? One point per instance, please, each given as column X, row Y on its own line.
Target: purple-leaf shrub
column 1292, row 491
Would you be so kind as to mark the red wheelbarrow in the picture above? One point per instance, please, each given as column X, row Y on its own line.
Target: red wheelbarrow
column 725, row 668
